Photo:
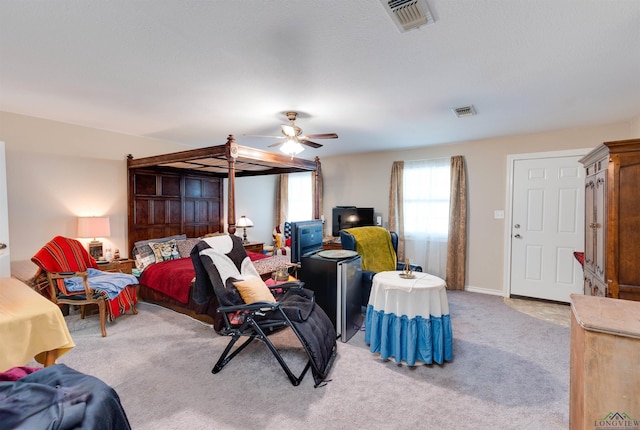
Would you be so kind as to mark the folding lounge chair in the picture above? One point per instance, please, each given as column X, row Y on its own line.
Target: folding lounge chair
column 251, row 310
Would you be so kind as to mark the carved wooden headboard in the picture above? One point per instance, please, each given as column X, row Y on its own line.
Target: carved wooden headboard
column 168, row 203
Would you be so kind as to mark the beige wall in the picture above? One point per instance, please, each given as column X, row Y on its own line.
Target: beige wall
column 56, row 172
column 363, row 180
column 635, row 127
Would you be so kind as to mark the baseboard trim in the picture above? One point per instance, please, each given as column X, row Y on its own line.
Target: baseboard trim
column 484, row 291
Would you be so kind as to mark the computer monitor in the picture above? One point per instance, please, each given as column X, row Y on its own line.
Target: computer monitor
column 306, row 238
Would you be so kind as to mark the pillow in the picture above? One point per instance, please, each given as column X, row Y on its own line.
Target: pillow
column 185, row 246
column 146, row 260
column 164, row 251
column 144, row 255
column 254, row 290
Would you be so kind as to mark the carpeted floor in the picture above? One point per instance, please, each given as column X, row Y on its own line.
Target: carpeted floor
column 510, row 371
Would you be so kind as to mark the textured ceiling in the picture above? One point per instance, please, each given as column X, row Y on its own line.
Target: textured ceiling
column 195, row 71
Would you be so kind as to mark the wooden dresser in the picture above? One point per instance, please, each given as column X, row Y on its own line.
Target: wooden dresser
column 604, row 374
column 612, row 220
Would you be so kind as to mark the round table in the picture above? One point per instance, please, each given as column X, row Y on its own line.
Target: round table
column 408, row 319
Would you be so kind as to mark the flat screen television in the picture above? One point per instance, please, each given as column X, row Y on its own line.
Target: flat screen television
column 306, row 238
column 349, row 217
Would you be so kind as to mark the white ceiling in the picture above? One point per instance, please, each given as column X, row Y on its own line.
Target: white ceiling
column 195, row 71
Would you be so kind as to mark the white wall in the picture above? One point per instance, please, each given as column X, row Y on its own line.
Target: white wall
column 255, row 198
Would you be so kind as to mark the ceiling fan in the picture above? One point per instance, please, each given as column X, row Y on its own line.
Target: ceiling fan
column 293, row 139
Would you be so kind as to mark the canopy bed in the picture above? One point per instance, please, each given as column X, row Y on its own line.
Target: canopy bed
column 179, row 196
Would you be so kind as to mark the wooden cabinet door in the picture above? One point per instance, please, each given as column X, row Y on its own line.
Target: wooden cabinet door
column 589, row 223
column 623, row 265
column 599, row 222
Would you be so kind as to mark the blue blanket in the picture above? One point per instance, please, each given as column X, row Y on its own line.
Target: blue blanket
column 110, row 283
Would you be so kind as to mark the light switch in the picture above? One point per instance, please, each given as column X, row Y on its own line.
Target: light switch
column 498, row 214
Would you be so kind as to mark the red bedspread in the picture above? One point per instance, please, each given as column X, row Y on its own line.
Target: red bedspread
column 173, row 277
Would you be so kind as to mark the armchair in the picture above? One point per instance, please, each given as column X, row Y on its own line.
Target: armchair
column 378, row 248
column 62, row 258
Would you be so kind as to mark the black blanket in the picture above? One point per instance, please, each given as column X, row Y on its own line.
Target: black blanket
column 58, row 397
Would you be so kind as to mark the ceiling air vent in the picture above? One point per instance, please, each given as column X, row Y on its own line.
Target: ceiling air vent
column 408, row 14
column 464, row 111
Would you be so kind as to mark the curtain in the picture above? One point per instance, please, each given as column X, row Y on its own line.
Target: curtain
column 282, row 199
column 320, row 196
column 457, row 244
column 396, row 222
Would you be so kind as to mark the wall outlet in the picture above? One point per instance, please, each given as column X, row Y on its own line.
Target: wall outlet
column 498, row 214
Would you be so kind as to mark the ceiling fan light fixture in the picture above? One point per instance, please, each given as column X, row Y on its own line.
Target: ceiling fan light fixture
column 291, row 147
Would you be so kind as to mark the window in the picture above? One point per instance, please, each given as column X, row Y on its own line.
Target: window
column 300, row 196
column 426, row 193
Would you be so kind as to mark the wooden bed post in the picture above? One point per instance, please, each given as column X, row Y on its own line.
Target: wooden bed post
column 317, row 189
column 232, row 154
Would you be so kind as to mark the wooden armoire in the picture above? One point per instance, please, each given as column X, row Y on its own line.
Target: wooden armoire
column 612, row 220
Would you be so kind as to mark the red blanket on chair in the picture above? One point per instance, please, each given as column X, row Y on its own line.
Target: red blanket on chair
column 63, row 254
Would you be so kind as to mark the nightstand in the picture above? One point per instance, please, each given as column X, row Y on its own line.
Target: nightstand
column 123, row 266
column 254, row 247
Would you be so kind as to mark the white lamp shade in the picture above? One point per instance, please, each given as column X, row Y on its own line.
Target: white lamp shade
column 244, row 222
column 94, row 227
column 291, row 147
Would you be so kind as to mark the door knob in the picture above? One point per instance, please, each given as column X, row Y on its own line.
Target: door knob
column 3, row 245
column 517, row 236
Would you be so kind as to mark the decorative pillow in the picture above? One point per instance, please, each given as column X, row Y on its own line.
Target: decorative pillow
column 165, row 250
column 185, row 246
column 144, row 255
column 144, row 261
column 254, row 290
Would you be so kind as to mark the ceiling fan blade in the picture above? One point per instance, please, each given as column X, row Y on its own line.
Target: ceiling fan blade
column 310, row 143
column 262, row 135
column 276, row 144
column 321, row 136
column 288, row 130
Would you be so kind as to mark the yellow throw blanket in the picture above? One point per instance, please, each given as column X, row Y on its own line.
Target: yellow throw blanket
column 374, row 244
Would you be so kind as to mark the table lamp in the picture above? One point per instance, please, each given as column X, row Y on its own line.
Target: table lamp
column 244, row 223
column 94, row 227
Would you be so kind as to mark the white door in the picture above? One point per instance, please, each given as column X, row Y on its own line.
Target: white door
column 5, row 262
column 547, row 226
